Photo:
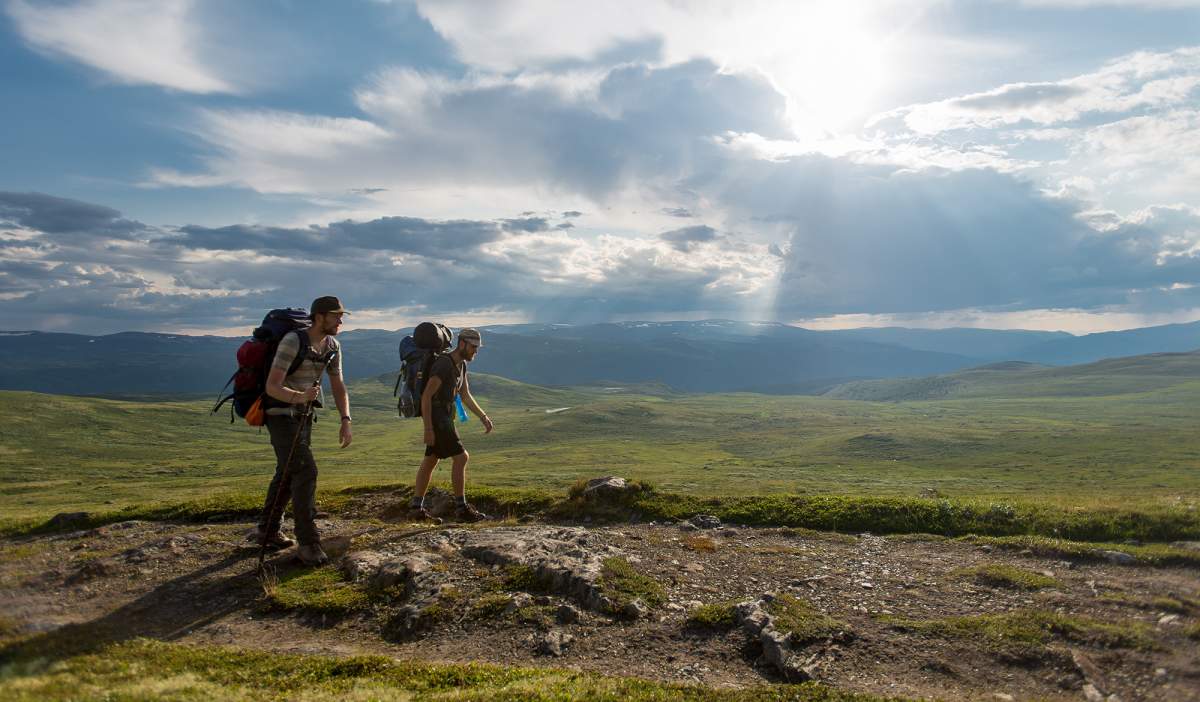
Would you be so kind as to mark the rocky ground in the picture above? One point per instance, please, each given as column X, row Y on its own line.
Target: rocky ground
column 909, row 616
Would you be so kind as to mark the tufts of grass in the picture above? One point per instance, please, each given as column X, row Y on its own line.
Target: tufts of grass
column 8, row 628
column 519, row 577
column 17, row 552
column 1032, row 627
column 1006, row 576
column 896, row 515
column 718, row 616
column 490, row 605
column 1179, row 604
column 575, row 492
column 700, row 543
column 322, row 590
column 145, row 669
column 231, row 505
column 1148, row 554
column 801, row 620
column 1192, row 632
column 540, row 616
column 621, row 583
column 850, row 514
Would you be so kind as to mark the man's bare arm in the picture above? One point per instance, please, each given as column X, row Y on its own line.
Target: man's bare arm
column 431, row 388
column 279, row 391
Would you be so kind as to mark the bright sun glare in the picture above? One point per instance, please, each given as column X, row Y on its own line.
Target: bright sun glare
column 825, row 57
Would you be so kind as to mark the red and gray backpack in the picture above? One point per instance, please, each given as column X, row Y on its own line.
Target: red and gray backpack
column 254, row 358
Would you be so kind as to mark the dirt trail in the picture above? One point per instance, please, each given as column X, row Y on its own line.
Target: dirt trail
column 196, row 584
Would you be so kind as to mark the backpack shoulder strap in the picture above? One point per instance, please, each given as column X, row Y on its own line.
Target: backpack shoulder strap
column 301, row 353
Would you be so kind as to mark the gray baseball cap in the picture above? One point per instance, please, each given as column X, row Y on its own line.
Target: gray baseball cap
column 471, row 335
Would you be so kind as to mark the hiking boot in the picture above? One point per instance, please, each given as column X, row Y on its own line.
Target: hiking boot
column 311, row 555
column 420, row 514
column 468, row 513
column 274, row 541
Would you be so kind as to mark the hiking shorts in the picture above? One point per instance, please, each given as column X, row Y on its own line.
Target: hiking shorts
column 446, row 443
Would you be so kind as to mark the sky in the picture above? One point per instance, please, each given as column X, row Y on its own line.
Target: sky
column 184, row 166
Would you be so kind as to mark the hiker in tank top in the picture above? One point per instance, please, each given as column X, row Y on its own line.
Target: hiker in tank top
column 447, row 379
column 288, row 396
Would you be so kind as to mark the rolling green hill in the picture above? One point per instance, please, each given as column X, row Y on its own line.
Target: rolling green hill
column 1078, row 448
column 1114, row 376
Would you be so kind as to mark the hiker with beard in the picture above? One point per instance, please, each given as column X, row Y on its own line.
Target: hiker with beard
column 447, row 379
column 285, row 417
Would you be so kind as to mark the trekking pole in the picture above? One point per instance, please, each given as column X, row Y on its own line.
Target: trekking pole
column 277, row 504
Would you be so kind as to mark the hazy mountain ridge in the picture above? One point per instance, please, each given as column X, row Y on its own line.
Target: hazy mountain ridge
column 705, row 356
column 1114, row 376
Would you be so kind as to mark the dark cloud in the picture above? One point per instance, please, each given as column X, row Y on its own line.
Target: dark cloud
column 877, row 239
column 686, row 238
column 226, row 276
column 63, row 216
column 368, row 191
column 449, row 240
column 677, row 212
column 564, row 226
column 570, row 214
column 1015, row 96
column 526, row 224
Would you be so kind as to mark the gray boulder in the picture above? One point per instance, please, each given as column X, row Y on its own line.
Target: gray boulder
column 1119, row 558
column 412, row 572
column 358, row 566
column 554, row 643
column 608, row 486
column 67, row 519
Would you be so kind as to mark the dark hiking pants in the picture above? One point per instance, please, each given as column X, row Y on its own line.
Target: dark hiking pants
column 300, row 485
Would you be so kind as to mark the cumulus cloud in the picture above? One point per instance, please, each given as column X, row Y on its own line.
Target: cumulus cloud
column 1142, row 80
column 145, row 42
column 1127, row 130
column 429, row 131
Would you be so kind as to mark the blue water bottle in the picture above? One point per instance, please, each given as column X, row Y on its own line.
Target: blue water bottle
column 462, row 414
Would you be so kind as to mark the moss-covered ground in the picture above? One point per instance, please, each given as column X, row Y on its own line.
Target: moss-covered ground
column 146, row 670
column 1006, row 576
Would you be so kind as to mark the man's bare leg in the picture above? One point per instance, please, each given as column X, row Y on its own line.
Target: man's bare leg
column 424, row 474
column 458, row 473
column 458, row 476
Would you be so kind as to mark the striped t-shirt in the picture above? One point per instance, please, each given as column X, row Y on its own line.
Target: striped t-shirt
column 309, row 370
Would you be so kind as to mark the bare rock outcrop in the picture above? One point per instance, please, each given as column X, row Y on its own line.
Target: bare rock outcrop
column 567, row 560
column 757, row 622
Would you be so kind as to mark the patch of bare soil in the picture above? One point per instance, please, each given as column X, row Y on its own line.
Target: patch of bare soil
column 536, row 594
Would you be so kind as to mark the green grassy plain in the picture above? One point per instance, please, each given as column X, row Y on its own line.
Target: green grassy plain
column 1131, row 449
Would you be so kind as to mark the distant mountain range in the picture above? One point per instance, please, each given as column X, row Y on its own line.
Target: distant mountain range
column 705, row 356
column 1020, row 379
